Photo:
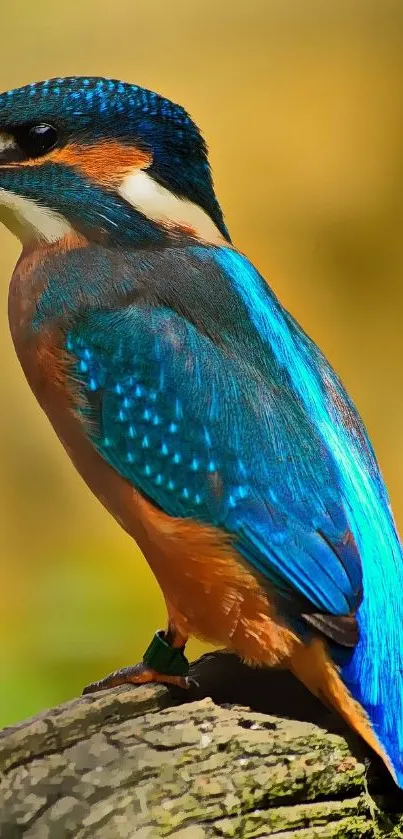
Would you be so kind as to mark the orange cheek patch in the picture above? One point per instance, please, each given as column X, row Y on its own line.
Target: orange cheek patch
column 106, row 163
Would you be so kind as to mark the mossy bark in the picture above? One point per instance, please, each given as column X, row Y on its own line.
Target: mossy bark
column 141, row 763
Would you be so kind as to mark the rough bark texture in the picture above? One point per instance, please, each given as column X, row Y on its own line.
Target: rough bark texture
column 141, row 763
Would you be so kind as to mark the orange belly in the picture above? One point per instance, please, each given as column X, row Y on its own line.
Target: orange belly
column 209, row 590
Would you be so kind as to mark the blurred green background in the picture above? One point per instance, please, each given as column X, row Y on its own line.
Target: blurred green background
column 302, row 105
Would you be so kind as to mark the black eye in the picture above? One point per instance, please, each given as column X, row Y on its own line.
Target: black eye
column 36, row 140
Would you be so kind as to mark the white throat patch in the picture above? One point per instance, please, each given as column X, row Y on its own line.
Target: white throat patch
column 159, row 204
column 31, row 221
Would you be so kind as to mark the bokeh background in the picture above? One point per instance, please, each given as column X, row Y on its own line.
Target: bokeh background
column 302, row 105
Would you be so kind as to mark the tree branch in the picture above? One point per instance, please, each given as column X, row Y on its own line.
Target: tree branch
column 139, row 763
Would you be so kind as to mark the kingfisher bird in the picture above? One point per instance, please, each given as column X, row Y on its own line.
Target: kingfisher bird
column 194, row 406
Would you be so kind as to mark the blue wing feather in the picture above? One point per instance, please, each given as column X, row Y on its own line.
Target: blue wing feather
column 196, row 429
column 220, row 408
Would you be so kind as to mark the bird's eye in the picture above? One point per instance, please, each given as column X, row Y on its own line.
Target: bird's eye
column 36, row 140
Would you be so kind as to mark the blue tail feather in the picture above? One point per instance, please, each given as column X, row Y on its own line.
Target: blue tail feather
column 374, row 672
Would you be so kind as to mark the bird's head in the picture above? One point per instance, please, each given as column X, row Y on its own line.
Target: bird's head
column 109, row 160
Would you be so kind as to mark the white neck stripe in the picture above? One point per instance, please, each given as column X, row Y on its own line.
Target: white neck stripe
column 159, row 204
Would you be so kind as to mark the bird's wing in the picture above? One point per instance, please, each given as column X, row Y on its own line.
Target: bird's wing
column 201, row 435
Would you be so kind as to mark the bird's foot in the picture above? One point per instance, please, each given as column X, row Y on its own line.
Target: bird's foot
column 138, row 674
column 161, row 663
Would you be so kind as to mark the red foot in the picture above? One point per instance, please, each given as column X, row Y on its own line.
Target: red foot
column 138, row 674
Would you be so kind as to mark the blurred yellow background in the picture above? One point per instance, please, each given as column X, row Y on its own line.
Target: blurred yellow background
column 302, row 105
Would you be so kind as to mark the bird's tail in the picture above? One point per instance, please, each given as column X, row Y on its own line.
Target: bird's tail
column 374, row 673
column 314, row 666
column 365, row 685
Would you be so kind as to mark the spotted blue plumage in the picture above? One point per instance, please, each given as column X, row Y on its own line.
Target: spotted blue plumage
column 202, row 435
column 90, row 110
column 256, row 443
column 84, row 95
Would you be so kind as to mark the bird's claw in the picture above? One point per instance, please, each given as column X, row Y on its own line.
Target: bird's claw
column 162, row 663
column 139, row 674
column 191, row 682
